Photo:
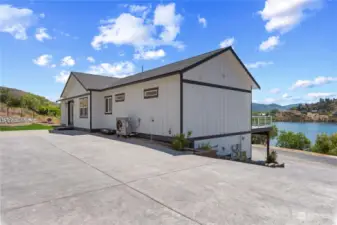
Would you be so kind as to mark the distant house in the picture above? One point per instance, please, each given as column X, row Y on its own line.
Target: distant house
column 314, row 111
column 209, row 94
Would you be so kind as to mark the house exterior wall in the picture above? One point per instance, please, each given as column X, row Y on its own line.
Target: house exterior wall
column 164, row 110
column 223, row 145
column 73, row 88
column 214, row 111
column 78, row 121
column 223, row 69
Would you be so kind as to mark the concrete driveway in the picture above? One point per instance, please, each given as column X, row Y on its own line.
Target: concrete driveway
column 80, row 178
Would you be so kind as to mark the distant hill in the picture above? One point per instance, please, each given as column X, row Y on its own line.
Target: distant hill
column 268, row 107
column 19, row 93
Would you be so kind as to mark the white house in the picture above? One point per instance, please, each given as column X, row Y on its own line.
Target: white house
column 209, row 94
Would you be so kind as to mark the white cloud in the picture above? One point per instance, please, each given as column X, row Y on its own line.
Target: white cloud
column 317, row 95
column 137, row 8
column 165, row 15
column 15, row 21
column 318, row 81
column 43, row 60
column 136, row 31
column 202, row 21
column 42, row 15
column 282, row 16
column 285, row 95
column 41, row 33
column 67, row 61
column 62, row 77
column 120, row 69
column 91, row 59
column 275, row 90
column 53, row 66
column 124, row 30
column 148, row 55
column 258, row 64
column 227, row 42
column 270, row 43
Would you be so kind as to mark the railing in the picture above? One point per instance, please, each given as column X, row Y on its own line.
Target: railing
column 262, row 121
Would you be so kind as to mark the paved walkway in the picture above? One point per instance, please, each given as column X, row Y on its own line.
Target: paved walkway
column 78, row 178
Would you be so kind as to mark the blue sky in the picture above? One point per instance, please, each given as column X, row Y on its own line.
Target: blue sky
column 289, row 46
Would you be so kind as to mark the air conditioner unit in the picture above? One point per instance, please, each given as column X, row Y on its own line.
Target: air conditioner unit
column 123, row 126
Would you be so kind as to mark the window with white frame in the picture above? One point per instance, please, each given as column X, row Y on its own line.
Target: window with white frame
column 84, row 107
column 108, row 104
column 151, row 92
column 120, row 97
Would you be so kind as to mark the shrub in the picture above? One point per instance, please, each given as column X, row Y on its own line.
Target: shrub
column 272, row 157
column 293, row 140
column 181, row 140
column 205, row 146
column 323, row 144
column 326, row 144
column 262, row 139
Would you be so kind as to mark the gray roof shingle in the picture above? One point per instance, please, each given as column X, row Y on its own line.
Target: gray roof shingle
column 98, row 82
column 91, row 81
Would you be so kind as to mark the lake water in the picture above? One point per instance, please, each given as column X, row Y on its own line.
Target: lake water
column 310, row 130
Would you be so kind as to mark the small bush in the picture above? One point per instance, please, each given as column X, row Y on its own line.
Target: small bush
column 326, row 144
column 205, row 146
column 272, row 157
column 293, row 140
column 181, row 140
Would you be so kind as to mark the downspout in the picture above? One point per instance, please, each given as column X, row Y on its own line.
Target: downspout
column 90, row 111
column 181, row 104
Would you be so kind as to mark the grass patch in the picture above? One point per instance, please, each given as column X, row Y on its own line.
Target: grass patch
column 26, row 127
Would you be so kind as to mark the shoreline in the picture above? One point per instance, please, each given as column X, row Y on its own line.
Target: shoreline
column 295, row 150
column 327, row 122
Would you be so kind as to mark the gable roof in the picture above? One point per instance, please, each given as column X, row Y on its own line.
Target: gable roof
column 91, row 81
column 99, row 83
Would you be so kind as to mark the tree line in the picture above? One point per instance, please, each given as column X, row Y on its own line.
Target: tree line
column 37, row 104
column 324, row 143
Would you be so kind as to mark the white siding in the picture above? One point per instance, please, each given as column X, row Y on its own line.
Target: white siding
column 78, row 122
column 223, row 145
column 73, row 88
column 64, row 113
column 213, row 111
column 224, row 69
column 81, row 122
column 164, row 110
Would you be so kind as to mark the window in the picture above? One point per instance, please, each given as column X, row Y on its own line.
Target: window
column 84, row 107
column 120, row 97
column 108, row 104
column 151, row 92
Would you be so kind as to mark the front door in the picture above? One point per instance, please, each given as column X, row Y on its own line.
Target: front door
column 70, row 113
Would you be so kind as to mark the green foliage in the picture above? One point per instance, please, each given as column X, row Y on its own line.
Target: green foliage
column 26, row 127
column 293, row 140
column 205, row 146
column 262, row 139
column 33, row 102
column 274, row 111
column 274, row 132
column 4, row 95
column 13, row 102
column 326, row 144
column 181, row 140
column 272, row 157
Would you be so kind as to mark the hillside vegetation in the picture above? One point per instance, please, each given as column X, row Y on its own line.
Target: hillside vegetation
column 325, row 110
column 19, row 103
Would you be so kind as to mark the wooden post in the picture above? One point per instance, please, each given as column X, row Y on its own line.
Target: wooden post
column 268, row 139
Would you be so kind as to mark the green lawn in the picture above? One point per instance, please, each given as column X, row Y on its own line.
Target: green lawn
column 26, row 127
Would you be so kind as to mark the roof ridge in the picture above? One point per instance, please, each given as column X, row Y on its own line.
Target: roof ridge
column 91, row 74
